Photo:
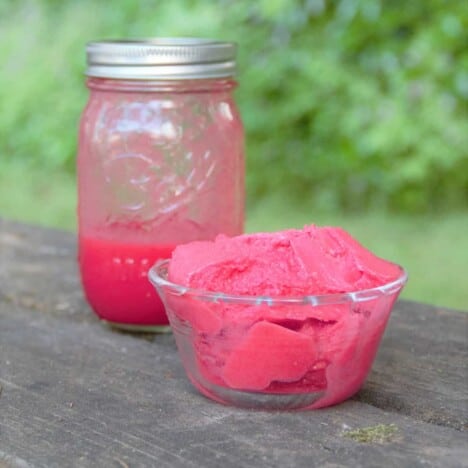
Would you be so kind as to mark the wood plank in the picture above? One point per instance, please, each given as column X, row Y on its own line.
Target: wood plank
column 83, row 393
column 38, row 270
column 75, row 393
column 421, row 368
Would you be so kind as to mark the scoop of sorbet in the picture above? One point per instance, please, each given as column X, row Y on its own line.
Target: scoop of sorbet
column 314, row 260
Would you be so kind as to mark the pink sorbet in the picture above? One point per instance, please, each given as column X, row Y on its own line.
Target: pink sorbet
column 314, row 260
column 273, row 348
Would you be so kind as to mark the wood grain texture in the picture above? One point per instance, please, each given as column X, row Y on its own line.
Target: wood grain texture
column 76, row 393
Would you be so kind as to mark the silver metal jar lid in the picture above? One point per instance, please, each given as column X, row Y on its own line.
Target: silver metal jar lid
column 161, row 58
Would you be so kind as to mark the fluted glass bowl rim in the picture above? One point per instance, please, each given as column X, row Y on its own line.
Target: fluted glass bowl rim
column 158, row 277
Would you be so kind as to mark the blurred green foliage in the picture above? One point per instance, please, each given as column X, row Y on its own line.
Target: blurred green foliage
column 348, row 104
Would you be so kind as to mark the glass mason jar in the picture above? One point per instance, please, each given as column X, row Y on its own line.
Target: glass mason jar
column 160, row 162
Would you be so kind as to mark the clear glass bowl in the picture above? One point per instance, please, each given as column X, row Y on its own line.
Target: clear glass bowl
column 276, row 352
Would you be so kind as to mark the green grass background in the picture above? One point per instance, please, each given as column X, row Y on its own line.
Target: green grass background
column 356, row 114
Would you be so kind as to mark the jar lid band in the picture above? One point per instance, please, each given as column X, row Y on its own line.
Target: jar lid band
column 161, row 58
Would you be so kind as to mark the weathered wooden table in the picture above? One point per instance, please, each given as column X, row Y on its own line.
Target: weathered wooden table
column 76, row 393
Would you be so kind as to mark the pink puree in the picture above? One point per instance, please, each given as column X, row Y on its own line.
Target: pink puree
column 115, row 280
column 286, row 349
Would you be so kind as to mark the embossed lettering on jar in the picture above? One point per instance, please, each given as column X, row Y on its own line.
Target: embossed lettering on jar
column 160, row 162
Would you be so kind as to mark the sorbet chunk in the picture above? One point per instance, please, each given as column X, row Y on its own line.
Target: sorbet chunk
column 269, row 352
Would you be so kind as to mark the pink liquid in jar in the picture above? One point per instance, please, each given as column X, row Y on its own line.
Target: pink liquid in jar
column 114, row 277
